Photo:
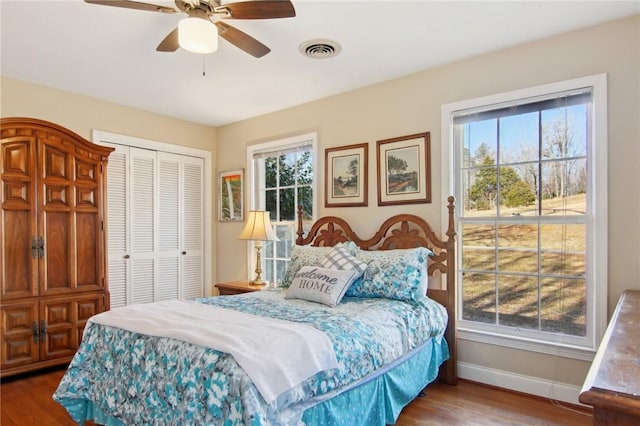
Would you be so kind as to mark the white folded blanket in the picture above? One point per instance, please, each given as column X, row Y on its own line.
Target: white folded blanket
column 275, row 354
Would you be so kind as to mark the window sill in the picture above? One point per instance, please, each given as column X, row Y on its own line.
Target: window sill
column 549, row 348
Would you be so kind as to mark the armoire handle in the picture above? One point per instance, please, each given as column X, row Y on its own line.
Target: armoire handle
column 36, row 332
column 43, row 330
column 34, row 247
column 41, row 247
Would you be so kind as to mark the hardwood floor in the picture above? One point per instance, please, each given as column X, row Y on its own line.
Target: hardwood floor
column 26, row 401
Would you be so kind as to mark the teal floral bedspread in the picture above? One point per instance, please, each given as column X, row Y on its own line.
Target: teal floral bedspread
column 120, row 377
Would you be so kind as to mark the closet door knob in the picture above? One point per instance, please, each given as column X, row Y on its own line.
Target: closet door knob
column 184, row 252
column 126, row 256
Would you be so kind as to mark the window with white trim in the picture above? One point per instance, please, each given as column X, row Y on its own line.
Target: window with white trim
column 528, row 172
column 281, row 178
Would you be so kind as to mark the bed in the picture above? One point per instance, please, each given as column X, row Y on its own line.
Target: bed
column 301, row 354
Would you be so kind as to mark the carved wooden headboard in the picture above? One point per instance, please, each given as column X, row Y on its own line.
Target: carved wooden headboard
column 400, row 232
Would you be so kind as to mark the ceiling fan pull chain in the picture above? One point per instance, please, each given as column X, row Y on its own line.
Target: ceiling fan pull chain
column 204, row 68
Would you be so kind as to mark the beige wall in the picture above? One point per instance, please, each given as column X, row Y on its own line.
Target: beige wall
column 412, row 104
column 82, row 114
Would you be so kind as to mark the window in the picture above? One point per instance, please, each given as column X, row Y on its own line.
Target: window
column 281, row 175
column 531, row 214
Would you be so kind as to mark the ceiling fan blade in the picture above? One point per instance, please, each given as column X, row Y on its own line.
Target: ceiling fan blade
column 242, row 40
column 170, row 42
column 260, row 9
column 133, row 5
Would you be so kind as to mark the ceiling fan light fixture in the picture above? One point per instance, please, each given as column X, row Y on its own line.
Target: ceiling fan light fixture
column 198, row 35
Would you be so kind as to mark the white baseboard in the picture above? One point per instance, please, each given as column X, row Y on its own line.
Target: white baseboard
column 520, row 383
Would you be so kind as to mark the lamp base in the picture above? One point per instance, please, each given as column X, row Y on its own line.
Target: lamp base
column 258, row 282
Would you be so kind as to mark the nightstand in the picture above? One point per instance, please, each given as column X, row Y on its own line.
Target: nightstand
column 238, row 287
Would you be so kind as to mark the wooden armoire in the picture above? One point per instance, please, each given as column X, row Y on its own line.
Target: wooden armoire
column 52, row 242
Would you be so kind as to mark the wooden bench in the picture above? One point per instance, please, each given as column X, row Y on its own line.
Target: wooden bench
column 612, row 385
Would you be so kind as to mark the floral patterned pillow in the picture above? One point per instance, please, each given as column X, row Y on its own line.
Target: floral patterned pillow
column 394, row 274
column 310, row 256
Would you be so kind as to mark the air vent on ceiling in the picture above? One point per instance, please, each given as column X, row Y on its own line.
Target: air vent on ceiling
column 320, row 48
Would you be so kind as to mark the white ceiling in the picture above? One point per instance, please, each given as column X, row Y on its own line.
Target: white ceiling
column 109, row 53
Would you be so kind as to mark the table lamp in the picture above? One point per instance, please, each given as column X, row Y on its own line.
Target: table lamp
column 258, row 229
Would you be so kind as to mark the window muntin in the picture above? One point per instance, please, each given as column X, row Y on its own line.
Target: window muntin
column 282, row 180
column 522, row 173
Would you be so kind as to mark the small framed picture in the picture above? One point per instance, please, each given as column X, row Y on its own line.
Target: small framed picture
column 230, row 187
column 404, row 170
column 346, row 174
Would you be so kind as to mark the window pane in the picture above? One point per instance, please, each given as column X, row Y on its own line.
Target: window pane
column 515, row 193
column 478, row 247
column 518, row 301
column 563, row 250
column 304, row 173
column 519, row 138
column 479, row 297
column 564, row 132
column 563, row 306
column 564, row 186
column 267, row 273
column 518, row 248
column 305, row 199
column 267, row 249
column 270, row 171
column 286, row 234
column 481, row 141
column 281, row 269
column 287, row 204
column 483, row 191
column 287, row 164
column 271, row 204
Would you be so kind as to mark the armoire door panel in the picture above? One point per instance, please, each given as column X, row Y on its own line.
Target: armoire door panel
column 19, row 272
column 56, row 162
column 18, row 345
column 86, row 307
column 57, row 328
column 85, row 172
column 85, row 197
column 57, row 249
column 87, row 272
column 17, row 156
column 57, row 197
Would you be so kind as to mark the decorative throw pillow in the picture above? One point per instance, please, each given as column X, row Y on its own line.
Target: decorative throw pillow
column 321, row 285
column 309, row 256
column 395, row 274
column 340, row 258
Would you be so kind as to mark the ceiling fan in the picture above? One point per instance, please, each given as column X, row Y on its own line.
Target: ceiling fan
column 199, row 31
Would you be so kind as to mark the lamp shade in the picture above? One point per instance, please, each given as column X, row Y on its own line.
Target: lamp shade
column 258, row 227
column 198, row 35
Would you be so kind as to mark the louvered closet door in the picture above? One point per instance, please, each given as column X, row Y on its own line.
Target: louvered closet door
column 143, row 226
column 155, row 225
column 117, row 213
column 192, row 227
column 181, row 226
column 169, row 226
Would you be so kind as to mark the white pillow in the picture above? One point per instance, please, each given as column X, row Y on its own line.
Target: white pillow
column 321, row 285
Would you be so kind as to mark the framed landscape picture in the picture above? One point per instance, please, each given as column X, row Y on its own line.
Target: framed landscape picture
column 404, row 170
column 231, row 196
column 346, row 174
